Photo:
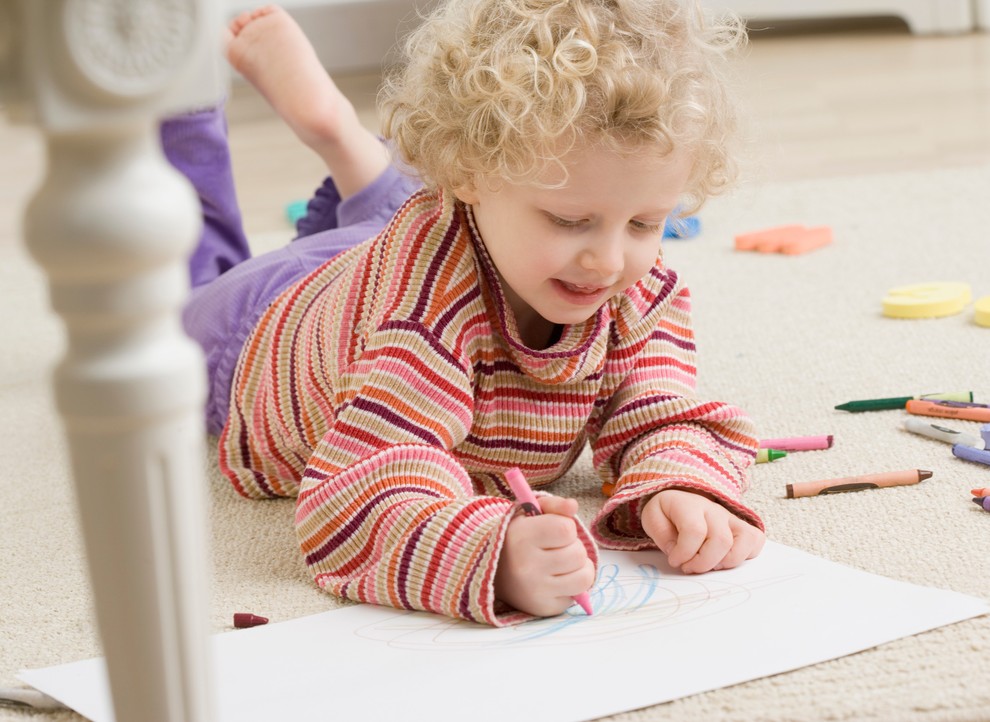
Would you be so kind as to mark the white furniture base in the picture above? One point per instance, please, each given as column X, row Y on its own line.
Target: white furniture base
column 922, row 16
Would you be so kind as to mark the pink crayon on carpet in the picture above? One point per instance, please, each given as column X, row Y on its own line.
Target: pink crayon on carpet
column 798, row 443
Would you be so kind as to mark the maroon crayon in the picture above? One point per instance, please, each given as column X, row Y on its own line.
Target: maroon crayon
column 243, row 620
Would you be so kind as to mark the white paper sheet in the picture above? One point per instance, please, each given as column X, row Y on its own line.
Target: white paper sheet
column 656, row 635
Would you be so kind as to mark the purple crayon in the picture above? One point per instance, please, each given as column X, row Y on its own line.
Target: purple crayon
column 983, row 501
column 960, row 404
column 971, row 454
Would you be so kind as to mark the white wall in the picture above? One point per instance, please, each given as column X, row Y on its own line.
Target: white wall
column 349, row 35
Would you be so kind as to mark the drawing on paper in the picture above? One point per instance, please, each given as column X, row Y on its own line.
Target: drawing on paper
column 625, row 603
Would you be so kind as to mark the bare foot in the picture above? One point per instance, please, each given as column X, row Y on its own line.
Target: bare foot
column 271, row 51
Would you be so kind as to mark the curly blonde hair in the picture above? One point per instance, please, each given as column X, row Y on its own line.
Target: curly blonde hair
column 501, row 88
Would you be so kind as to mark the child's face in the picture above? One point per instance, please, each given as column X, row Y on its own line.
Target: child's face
column 563, row 252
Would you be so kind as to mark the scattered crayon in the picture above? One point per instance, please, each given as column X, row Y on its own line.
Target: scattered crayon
column 983, row 502
column 243, row 620
column 970, row 454
column 857, row 483
column 765, row 455
column 949, row 410
column 798, row 443
column 985, row 491
column 898, row 402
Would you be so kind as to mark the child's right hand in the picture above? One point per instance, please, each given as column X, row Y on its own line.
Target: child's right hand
column 543, row 562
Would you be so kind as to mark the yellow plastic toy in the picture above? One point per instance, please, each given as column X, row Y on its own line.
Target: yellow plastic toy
column 982, row 311
column 926, row 300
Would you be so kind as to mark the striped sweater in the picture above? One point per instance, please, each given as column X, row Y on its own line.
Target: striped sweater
column 389, row 391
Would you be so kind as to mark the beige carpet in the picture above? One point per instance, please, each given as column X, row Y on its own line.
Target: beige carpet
column 785, row 337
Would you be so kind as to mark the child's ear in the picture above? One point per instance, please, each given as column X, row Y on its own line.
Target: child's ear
column 467, row 193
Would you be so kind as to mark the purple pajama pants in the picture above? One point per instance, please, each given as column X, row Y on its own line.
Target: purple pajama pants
column 230, row 289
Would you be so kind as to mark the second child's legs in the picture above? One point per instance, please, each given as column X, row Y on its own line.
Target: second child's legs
column 271, row 51
column 196, row 145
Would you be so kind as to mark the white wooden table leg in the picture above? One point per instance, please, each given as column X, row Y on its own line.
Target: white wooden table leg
column 112, row 225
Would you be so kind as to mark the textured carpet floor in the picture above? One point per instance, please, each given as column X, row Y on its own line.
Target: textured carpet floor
column 786, row 338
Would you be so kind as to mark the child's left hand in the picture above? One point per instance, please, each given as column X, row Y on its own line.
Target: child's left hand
column 698, row 534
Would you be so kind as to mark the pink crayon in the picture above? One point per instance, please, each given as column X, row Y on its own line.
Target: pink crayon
column 531, row 506
column 798, row 443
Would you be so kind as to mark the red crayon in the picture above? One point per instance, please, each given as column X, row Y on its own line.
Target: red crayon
column 243, row 620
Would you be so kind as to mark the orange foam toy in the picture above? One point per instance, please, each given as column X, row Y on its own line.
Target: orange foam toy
column 811, row 239
column 768, row 238
column 790, row 240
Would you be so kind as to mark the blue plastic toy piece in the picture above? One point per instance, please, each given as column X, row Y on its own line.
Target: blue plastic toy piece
column 678, row 227
column 295, row 210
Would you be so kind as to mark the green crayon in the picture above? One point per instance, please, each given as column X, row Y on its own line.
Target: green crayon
column 765, row 455
column 899, row 402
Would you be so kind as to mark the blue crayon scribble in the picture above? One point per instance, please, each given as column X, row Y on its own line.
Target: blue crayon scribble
column 624, row 603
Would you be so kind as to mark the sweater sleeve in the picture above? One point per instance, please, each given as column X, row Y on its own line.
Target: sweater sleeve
column 654, row 434
column 386, row 513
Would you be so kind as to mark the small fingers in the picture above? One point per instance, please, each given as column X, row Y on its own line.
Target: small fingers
column 660, row 528
column 748, row 543
column 576, row 580
column 549, row 531
column 559, row 505
column 711, row 552
column 691, row 536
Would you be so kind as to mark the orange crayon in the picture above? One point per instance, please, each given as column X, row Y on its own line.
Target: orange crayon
column 948, row 410
column 985, row 491
column 856, row 483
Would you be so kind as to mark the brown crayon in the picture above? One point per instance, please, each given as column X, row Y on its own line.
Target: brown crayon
column 856, row 483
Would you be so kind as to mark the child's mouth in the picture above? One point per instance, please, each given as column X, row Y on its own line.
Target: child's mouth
column 576, row 293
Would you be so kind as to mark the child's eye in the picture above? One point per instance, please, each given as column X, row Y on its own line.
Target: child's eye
column 647, row 226
column 563, row 222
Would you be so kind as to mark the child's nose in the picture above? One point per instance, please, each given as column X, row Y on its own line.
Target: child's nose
column 604, row 256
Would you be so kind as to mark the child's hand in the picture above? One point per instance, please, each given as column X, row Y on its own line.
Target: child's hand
column 698, row 534
column 543, row 562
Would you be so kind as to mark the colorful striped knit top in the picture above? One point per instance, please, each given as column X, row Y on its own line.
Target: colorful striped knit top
column 389, row 390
